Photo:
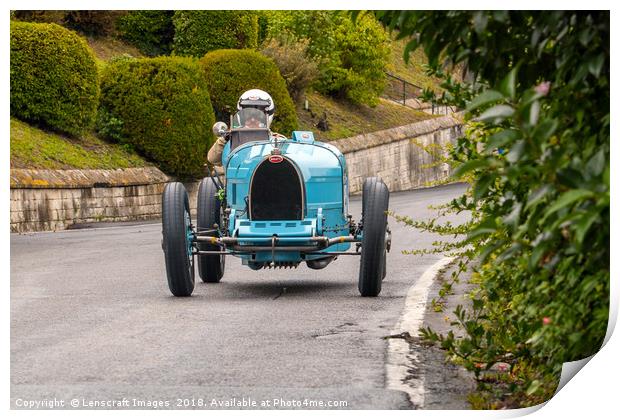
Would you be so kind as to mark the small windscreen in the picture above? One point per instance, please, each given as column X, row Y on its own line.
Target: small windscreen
column 250, row 118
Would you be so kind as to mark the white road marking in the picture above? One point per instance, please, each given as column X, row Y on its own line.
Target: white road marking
column 399, row 357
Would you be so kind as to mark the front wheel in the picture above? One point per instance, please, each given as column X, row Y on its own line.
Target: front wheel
column 177, row 241
column 375, row 201
column 210, row 267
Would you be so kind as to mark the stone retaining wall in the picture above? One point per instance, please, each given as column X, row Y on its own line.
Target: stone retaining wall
column 397, row 155
column 55, row 200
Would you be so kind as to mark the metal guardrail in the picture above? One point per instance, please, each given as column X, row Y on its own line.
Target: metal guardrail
column 400, row 90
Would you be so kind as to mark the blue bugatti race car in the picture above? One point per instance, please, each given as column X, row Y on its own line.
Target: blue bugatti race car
column 284, row 201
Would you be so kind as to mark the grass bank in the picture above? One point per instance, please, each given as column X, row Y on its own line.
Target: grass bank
column 345, row 119
column 34, row 148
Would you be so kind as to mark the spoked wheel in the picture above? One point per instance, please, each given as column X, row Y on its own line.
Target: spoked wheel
column 178, row 237
column 375, row 201
column 210, row 267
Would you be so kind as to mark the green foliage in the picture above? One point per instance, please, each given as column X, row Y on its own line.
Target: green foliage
column 352, row 57
column 40, row 16
column 93, row 22
column 196, row 32
column 537, row 156
column 297, row 70
column 89, row 22
column 54, row 79
column 415, row 69
column 151, row 31
column 229, row 73
column 263, row 26
column 161, row 107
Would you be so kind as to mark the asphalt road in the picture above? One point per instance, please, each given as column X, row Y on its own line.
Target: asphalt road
column 92, row 321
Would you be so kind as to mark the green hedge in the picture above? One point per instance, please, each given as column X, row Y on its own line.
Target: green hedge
column 54, row 80
column 151, row 31
column 196, row 32
column 231, row 72
column 161, row 107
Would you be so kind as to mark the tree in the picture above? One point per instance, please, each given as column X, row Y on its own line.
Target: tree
column 351, row 58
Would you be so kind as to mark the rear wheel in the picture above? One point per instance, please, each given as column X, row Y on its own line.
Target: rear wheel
column 210, row 267
column 177, row 239
column 375, row 200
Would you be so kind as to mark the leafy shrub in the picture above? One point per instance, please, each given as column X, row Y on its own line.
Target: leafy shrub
column 196, row 32
column 352, row 57
column 93, row 22
column 229, row 73
column 89, row 22
column 295, row 67
column 151, row 31
column 263, row 26
column 161, row 107
column 40, row 16
column 537, row 155
column 54, row 80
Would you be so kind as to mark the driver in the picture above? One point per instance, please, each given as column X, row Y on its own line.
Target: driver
column 257, row 104
column 250, row 118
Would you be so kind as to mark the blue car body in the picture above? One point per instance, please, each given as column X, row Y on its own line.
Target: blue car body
column 318, row 174
column 285, row 201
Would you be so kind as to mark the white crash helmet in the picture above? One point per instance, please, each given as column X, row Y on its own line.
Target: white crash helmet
column 259, row 99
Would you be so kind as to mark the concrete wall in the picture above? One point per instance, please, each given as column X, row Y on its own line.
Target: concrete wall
column 55, row 200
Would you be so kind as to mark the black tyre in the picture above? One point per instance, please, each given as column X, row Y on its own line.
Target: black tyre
column 388, row 245
column 210, row 267
column 176, row 229
column 384, row 273
column 375, row 201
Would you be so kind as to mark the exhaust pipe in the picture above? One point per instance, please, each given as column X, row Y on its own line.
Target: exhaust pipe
column 322, row 242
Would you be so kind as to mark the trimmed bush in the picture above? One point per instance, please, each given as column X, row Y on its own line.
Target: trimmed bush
column 161, row 107
column 54, row 80
column 151, row 31
column 196, row 32
column 229, row 73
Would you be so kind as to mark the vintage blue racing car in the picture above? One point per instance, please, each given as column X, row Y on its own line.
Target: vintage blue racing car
column 285, row 201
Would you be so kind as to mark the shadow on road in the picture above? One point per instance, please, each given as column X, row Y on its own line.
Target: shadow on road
column 278, row 288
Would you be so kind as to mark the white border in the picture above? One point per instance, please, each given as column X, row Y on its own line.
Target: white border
column 591, row 393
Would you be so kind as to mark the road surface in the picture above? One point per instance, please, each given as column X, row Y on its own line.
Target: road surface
column 92, row 321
